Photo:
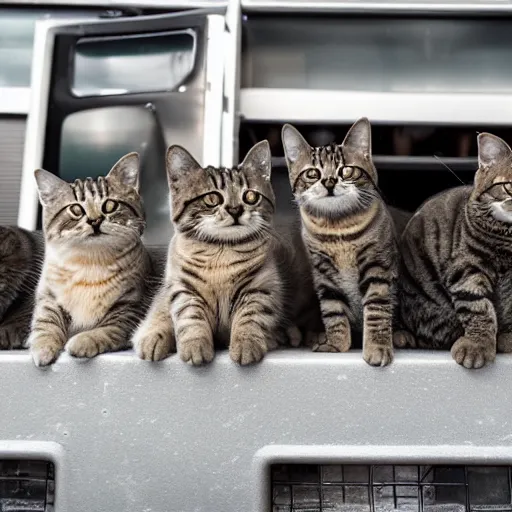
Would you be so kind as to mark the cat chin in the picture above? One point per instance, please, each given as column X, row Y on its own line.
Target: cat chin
column 332, row 206
column 226, row 234
column 500, row 214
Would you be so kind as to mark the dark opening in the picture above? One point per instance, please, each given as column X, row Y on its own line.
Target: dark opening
column 27, row 485
column 370, row 488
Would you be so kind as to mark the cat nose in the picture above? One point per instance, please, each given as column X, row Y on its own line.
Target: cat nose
column 329, row 183
column 235, row 211
column 95, row 222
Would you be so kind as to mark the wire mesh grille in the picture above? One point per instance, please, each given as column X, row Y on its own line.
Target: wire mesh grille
column 26, row 486
column 387, row 488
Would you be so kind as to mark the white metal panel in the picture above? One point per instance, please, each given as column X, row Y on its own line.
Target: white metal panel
column 232, row 65
column 213, row 100
column 14, row 100
column 168, row 437
column 36, row 122
column 322, row 106
column 381, row 6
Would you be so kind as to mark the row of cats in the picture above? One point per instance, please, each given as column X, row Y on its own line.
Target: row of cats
column 232, row 278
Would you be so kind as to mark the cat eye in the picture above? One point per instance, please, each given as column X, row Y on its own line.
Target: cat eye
column 76, row 210
column 313, row 174
column 213, row 199
column 350, row 173
column 251, row 197
column 508, row 188
column 110, row 206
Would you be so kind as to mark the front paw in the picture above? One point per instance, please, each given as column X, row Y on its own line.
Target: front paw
column 403, row 339
column 44, row 350
column 332, row 342
column 378, row 355
column 471, row 354
column 83, row 345
column 247, row 348
column 153, row 345
column 196, row 351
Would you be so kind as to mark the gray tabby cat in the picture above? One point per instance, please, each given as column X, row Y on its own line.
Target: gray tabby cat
column 95, row 268
column 351, row 239
column 21, row 256
column 457, row 275
column 230, row 278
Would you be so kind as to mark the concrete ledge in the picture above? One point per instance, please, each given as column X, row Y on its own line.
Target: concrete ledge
column 161, row 437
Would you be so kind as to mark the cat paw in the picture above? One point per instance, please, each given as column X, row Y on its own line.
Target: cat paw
column 312, row 338
column 404, row 339
column 505, row 343
column 44, row 351
column 335, row 343
column 196, row 351
column 294, row 336
column 82, row 345
column 471, row 354
column 153, row 346
column 247, row 349
column 378, row 355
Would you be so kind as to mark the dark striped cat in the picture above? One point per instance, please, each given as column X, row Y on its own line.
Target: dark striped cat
column 456, row 287
column 350, row 237
column 230, row 278
column 90, row 295
column 21, row 256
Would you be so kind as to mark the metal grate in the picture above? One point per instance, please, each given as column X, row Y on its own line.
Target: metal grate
column 387, row 488
column 26, row 486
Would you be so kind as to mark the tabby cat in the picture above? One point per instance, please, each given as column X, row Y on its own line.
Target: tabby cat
column 456, row 287
column 21, row 254
column 89, row 297
column 351, row 239
column 230, row 278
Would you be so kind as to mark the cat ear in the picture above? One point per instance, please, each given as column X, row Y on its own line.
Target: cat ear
column 294, row 143
column 126, row 171
column 359, row 137
column 258, row 159
column 51, row 188
column 491, row 149
column 178, row 162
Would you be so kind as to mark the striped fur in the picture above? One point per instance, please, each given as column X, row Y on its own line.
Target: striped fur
column 350, row 237
column 457, row 265
column 228, row 278
column 21, row 255
column 89, row 297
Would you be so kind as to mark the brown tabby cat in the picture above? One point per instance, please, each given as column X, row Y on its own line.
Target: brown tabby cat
column 21, row 256
column 456, row 287
column 230, row 279
column 95, row 267
column 350, row 237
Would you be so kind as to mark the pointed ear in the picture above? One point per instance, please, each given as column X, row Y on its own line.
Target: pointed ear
column 126, row 171
column 294, row 143
column 178, row 162
column 359, row 137
column 51, row 188
column 258, row 159
column 491, row 150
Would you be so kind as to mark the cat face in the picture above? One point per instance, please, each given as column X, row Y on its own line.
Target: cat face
column 333, row 180
column 221, row 205
column 106, row 210
column 493, row 180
